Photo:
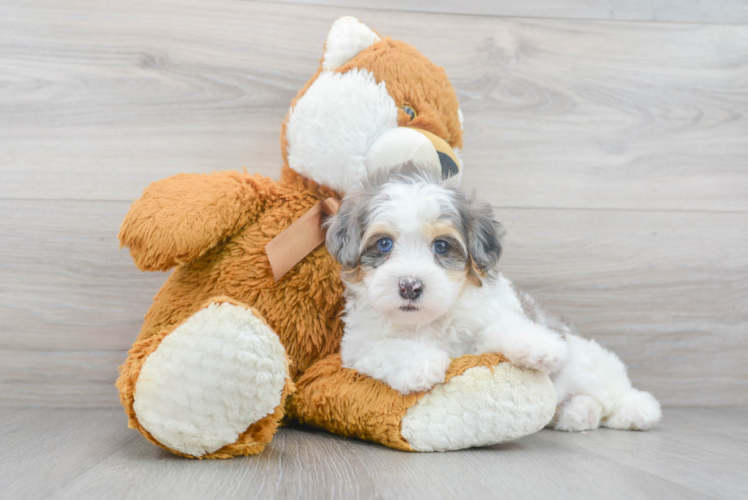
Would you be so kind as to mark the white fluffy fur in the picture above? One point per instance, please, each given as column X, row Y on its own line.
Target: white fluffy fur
column 347, row 37
column 332, row 127
column 452, row 415
column 411, row 349
column 210, row 379
column 593, row 389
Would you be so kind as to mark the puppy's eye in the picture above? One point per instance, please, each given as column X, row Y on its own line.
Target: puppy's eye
column 441, row 247
column 410, row 112
column 385, row 245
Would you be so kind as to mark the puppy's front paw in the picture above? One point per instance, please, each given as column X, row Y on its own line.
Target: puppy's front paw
column 545, row 352
column 421, row 376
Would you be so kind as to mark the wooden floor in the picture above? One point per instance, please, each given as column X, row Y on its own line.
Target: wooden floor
column 89, row 454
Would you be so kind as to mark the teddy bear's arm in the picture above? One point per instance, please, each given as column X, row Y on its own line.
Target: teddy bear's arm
column 179, row 218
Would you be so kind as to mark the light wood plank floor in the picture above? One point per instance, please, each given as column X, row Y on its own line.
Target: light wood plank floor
column 81, row 454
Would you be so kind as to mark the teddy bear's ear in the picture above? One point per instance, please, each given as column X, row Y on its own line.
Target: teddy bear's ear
column 348, row 36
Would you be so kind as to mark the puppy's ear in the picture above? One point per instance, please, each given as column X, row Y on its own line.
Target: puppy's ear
column 484, row 236
column 344, row 236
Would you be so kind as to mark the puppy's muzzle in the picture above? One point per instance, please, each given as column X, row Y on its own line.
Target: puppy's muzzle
column 410, row 288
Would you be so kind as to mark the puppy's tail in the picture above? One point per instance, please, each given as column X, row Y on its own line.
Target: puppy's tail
column 635, row 411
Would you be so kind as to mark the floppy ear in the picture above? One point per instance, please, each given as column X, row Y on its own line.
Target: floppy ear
column 484, row 236
column 344, row 236
column 180, row 218
column 348, row 36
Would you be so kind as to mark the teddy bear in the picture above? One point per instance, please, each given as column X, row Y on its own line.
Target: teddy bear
column 244, row 335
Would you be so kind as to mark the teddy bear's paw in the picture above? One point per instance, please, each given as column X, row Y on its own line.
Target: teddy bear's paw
column 210, row 379
column 480, row 407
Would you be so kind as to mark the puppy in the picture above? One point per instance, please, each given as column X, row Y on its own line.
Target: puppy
column 419, row 260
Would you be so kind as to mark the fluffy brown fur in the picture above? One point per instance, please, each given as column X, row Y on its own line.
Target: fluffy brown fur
column 412, row 80
column 343, row 401
column 229, row 259
column 250, row 442
column 213, row 229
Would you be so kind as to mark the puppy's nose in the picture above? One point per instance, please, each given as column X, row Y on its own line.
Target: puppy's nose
column 410, row 288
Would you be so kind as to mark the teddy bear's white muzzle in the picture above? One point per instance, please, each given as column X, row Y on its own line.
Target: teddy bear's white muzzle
column 401, row 145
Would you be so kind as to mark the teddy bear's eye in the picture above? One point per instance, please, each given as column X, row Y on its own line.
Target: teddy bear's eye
column 410, row 112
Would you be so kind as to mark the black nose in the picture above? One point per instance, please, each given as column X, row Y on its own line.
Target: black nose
column 410, row 288
column 449, row 167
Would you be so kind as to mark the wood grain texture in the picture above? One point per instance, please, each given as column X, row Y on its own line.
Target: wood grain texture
column 59, row 378
column 714, row 438
column 65, row 283
column 681, row 11
column 103, row 98
column 668, row 291
column 82, row 454
column 615, row 153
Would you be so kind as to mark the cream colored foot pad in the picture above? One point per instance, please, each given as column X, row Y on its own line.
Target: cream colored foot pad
column 210, row 379
column 480, row 408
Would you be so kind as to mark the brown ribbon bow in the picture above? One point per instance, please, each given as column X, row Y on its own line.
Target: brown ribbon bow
column 300, row 238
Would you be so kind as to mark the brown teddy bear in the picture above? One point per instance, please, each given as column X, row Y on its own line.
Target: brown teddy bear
column 247, row 328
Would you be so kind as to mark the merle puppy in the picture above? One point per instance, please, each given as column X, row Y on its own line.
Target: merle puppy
column 419, row 261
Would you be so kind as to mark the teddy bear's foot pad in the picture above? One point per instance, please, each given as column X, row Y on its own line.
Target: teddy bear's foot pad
column 481, row 407
column 210, row 379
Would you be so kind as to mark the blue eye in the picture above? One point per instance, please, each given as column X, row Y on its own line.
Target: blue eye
column 384, row 245
column 441, row 247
